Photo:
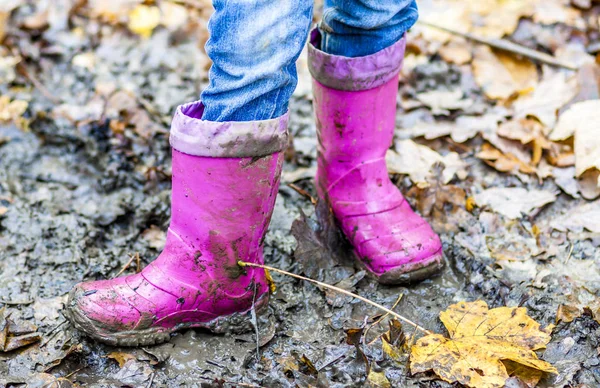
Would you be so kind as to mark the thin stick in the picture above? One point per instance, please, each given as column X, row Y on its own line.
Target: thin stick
column 505, row 45
column 37, row 84
column 340, row 290
column 126, row 265
column 303, row 192
column 381, row 319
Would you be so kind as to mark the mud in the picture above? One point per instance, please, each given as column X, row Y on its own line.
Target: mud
column 79, row 200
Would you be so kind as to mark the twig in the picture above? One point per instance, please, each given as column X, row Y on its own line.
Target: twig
column 337, row 289
column 37, row 84
column 151, row 380
column 128, row 264
column 505, row 45
column 75, row 371
column 570, row 253
column 302, row 192
column 381, row 319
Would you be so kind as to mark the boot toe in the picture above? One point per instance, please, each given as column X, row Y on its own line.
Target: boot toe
column 95, row 307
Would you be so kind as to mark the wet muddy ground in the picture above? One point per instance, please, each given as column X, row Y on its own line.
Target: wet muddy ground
column 80, row 194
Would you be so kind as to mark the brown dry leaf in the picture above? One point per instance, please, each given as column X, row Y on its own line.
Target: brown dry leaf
column 12, row 336
column 417, row 162
column 393, row 341
column 504, row 162
column 143, row 19
column 528, row 132
column 513, row 202
column 120, row 357
column 551, row 94
column 155, row 237
column 479, row 342
column 567, row 313
column 457, row 51
column 502, row 75
column 582, row 120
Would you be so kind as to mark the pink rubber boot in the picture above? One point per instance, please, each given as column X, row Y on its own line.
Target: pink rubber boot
column 224, row 190
column 355, row 109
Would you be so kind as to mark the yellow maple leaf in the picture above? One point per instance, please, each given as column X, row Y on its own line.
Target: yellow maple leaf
column 479, row 341
column 144, row 19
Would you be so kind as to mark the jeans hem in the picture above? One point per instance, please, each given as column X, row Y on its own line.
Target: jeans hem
column 356, row 73
column 229, row 139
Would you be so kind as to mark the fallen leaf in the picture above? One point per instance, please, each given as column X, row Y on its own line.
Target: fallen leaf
column 565, row 179
column 12, row 111
column 393, row 341
column 528, row 132
column 582, row 120
column 143, row 19
column 479, row 341
column 46, row 380
column 547, row 98
column 457, row 51
column 502, row 75
column 513, row 202
column 567, row 313
column 464, row 128
column 12, row 336
column 378, row 379
column 442, row 102
column 529, row 376
column 504, row 162
column 417, row 161
column 585, row 216
column 121, row 357
column 155, row 237
column 589, row 184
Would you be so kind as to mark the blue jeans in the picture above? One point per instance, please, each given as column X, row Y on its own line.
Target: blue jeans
column 254, row 45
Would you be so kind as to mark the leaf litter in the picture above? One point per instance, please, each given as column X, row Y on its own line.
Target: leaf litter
column 95, row 84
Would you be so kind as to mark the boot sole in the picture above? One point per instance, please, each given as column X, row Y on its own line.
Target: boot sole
column 399, row 276
column 239, row 322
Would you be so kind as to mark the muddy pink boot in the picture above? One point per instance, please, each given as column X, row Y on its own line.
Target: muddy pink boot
column 355, row 109
column 225, row 180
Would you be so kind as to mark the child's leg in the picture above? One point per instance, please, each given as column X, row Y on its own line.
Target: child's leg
column 363, row 27
column 254, row 46
column 355, row 59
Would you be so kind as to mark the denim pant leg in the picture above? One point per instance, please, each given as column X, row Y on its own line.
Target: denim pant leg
column 254, row 45
column 355, row 28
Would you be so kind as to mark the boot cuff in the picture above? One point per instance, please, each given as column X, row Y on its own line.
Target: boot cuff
column 230, row 139
column 353, row 74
